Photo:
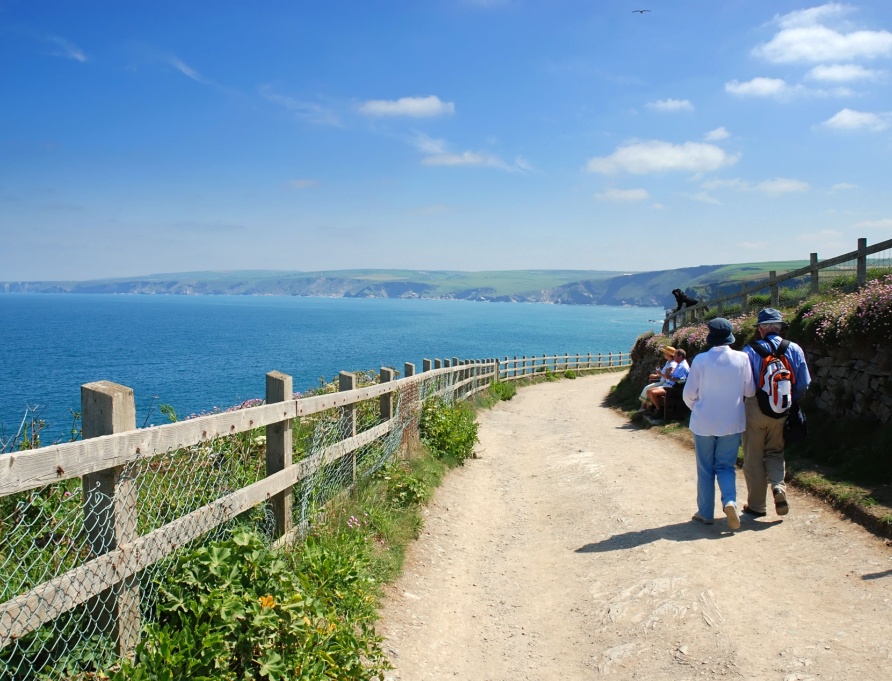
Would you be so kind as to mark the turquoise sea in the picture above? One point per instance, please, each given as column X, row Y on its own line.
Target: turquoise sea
column 200, row 352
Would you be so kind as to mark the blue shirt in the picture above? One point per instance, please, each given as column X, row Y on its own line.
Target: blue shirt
column 794, row 354
column 679, row 373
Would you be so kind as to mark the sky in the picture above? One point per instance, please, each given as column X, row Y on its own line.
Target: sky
column 149, row 137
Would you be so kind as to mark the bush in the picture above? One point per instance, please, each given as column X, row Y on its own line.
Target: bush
column 503, row 391
column 403, row 488
column 862, row 316
column 569, row 373
column 448, row 430
column 240, row 610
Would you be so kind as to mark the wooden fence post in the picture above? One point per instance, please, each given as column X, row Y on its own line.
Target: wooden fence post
column 772, row 280
column 408, row 369
column 279, row 449
column 385, row 376
column 110, row 509
column 599, row 360
column 497, row 371
column 438, row 363
column 425, row 365
column 815, row 280
column 720, row 302
column 861, row 269
column 347, row 381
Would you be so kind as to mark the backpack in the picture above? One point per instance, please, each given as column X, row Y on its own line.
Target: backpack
column 776, row 379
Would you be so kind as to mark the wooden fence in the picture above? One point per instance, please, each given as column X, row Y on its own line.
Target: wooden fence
column 111, row 442
column 695, row 313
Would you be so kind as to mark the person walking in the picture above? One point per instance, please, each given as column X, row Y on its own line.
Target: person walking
column 717, row 384
column 763, row 440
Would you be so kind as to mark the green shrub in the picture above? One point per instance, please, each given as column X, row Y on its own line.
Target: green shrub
column 569, row 373
column 449, row 430
column 503, row 391
column 239, row 610
column 403, row 488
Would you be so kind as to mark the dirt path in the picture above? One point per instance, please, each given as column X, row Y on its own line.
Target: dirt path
column 566, row 552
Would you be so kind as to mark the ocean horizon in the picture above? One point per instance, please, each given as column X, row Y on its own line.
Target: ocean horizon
column 200, row 353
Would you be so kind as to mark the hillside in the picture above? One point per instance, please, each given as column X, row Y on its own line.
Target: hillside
column 567, row 287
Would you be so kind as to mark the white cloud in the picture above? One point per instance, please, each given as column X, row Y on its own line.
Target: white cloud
column 623, row 195
column 671, row 105
column 717, row 135
column 66, row 49
column 758, row 87
column 849, row 119
column 842, row 73
column 308, row 112
column 842, row 187
column 428, row 145
column 639, row 158
column 414, row 107
column 804, row 37
column 773, row 187
column 885, row 223
column 303, row 184
column 703, row 197
column 185, row 69
column 470, row 158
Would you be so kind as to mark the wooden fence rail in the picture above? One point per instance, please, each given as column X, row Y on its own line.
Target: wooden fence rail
column 112, row 442
column 859, row 256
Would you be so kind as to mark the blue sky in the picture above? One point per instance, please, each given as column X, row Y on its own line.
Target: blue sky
column 147, row 137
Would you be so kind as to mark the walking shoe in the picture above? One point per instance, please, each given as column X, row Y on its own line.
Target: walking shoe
column 730, row 510
column 750, row 512
column 700, row 519
column 780, row 501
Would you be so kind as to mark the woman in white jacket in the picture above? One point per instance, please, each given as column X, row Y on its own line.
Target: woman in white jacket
column 718, row 381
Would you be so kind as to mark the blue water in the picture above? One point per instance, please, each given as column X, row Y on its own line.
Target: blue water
column 200, row 352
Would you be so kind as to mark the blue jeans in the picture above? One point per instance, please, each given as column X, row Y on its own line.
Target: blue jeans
column 716, row 459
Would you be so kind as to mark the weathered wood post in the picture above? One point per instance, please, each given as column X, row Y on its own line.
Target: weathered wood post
column 347, row 381
column 110, row 509
column 425, row 365
column 279, row 449
column 438, row 364
column 599, row 360
column 408, row 369
column 385, row 376
column 588, row 360
column 861, row 268
column 720, row 302
column 496, row 370
column 772, row 280
column 815, row 282
column 744, row 301
column 446, row 363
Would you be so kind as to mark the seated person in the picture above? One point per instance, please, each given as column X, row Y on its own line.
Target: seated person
column 660, row 376
column 656, row 395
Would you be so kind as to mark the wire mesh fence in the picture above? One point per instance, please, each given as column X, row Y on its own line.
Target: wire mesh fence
column 81, row 569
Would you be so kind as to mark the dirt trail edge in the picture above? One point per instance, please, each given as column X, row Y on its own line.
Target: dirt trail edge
column 567, row 552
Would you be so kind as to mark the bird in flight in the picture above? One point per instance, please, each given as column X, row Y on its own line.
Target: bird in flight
column 640, row 11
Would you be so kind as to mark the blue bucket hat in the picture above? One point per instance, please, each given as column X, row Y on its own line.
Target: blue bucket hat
column 769, row 316
column 720, row 332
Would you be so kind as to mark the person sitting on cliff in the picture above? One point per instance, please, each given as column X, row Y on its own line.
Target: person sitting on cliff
column 680, row 373
column 659, row 376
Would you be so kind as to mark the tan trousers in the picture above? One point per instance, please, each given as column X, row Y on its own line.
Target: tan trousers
column 763, row 454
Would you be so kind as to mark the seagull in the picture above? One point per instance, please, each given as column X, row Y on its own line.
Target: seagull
column 640, row 11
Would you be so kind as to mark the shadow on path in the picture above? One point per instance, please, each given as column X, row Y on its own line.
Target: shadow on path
column 687, row 531
column 877, row 575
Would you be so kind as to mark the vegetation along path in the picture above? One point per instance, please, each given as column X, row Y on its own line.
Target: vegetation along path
column 566, row 551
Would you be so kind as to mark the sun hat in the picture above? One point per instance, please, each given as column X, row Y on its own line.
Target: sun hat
column 668, row 350
column 769, row 316
column 720, row 332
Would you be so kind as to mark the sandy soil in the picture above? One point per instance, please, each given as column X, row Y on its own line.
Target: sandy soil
column 567, row 552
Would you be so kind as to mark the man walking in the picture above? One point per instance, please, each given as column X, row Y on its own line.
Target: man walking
column 763, row 440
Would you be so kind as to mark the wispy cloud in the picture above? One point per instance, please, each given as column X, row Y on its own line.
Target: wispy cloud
column 670, row 105
column 623, row 195
column 772, row 187
column 428, row 145
column 640, row 158
column 717, row 135
column 703, row 197
column 885, row 224
column 303, row 183
column 65, row 49
column 849, row 119
column 414, row 107
column 843, row 73
column 308, row 112
column 777, row 88
column 185, row 69
column 471, row 158
column 842, row 187
column 805, row 36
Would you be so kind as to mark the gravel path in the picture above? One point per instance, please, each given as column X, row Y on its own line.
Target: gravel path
column 566, row 551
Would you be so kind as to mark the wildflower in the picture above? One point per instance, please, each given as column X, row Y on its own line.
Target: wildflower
column 267, row 601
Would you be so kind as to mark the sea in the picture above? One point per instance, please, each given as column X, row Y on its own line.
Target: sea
column 201, row 353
